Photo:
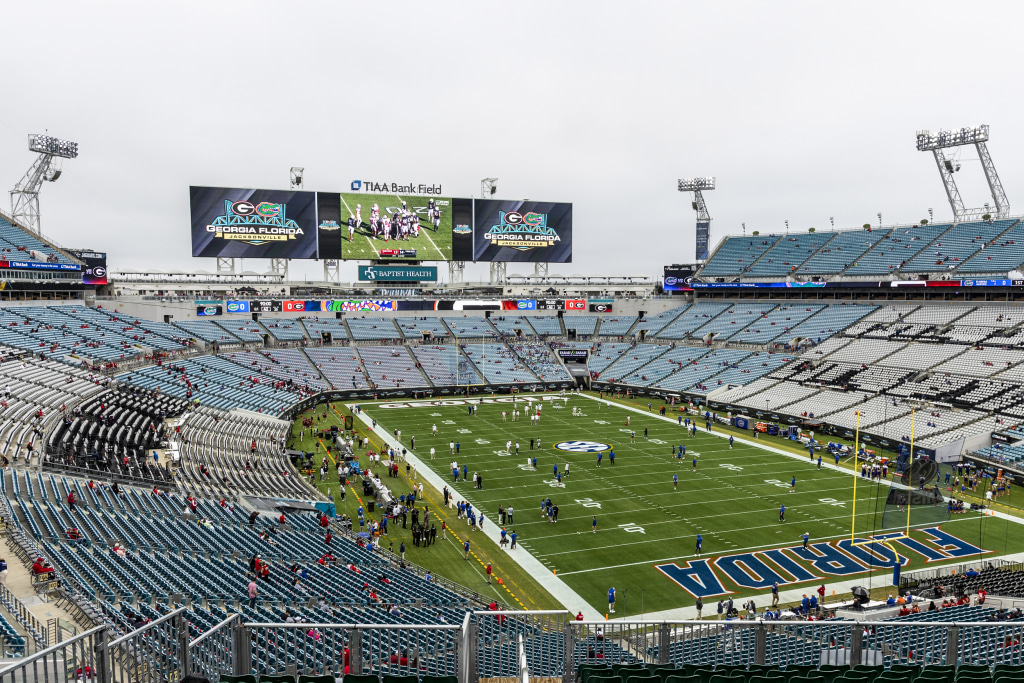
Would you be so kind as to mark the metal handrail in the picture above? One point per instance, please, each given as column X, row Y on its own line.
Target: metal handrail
column 143, row 629
column 524, row 666
column 42, row 654
column 26, row 618
column 215, row 629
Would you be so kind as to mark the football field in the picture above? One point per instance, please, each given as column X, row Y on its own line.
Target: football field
column 647, row 524
column 429, row 245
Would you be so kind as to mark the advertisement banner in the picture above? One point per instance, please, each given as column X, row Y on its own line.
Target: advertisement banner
column 703, row 239
column 208, row 309
column 247, row 223
column 95, row 270
column 677, row 279
column 573, row 353
column 398, row 273
column 515, row 230
column 328, row 225
column 237, row 306
column 395, row 225
column 601, row 305
column 518, row 305
column 38, row 265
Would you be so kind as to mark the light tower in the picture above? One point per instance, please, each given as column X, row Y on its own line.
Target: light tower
column 945, row 139
column 47, row 166
column 697, row 186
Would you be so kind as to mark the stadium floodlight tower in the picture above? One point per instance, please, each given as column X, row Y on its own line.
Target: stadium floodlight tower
column 697, row 186
column 47, row 166
column 946, row 139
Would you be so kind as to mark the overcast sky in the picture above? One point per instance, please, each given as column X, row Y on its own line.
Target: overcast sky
column 802, row 110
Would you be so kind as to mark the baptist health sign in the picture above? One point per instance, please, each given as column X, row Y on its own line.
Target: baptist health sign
column 398, row 273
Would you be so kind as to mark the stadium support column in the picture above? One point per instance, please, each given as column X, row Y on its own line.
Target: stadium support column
column 540, row 270
column 499, row 270
column 225, row 266
column 456, row 272
column 332, row 271
column 279, row 266
column 946, row 139
column 25, row 195
column 697, row 186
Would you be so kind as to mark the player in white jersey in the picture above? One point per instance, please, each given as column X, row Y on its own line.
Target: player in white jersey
column 359, row 214
column 374, row 211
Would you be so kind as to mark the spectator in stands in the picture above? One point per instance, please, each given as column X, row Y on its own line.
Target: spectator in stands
column 3, row 572
column 41, row 566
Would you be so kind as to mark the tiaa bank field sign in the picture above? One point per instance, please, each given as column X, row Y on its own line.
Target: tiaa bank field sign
column 398, row 273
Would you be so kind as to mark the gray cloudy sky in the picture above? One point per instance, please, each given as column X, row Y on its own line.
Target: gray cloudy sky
column 803, row 110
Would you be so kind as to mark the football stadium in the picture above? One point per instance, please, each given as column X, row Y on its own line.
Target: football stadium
column 314, row 449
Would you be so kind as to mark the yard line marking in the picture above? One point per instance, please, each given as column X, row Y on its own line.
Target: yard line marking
column 427, row 236
column 359, row 226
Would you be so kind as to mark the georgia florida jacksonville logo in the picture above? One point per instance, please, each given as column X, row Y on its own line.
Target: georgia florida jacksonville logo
column 255, row 223
column 522, row 231
column 582, row 446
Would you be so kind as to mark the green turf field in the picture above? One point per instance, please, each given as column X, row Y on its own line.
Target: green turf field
column 732, row 499
column 429, row 246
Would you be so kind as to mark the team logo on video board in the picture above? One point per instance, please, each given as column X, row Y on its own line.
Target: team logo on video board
column 582, row 446
column 254, row 223
column 329, row 225
column 522, row 231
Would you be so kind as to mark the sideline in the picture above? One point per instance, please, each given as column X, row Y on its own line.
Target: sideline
column 492, row 530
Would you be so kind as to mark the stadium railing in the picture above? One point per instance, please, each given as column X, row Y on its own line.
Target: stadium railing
column 148, row 654
column 215, row 652
column 511, row 645
column 17, row 608
column 83, row 657
column 524, row 667
column 913, row 579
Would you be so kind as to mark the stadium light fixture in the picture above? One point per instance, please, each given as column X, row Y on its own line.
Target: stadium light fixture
column 488, row 187
column 697, row 186
column 927, row 141
column 25, row 195
column 937, row 143
column 694, row 184
column 296, row 174
column 47, row 144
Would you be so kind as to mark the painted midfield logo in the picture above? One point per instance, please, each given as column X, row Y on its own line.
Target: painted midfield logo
column 582, row 446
